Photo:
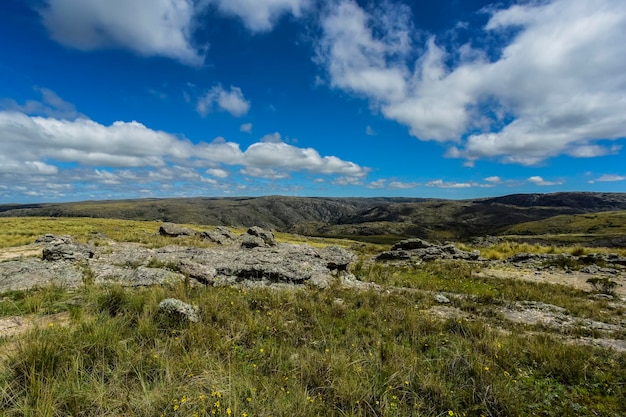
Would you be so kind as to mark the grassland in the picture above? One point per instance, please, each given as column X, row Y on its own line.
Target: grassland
column 106, row 351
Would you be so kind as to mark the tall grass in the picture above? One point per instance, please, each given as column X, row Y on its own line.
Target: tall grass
column 297, row 353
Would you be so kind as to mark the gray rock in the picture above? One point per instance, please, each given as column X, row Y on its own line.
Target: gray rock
column 411, row 244
column 34, row 273
column 420, row 250
column 265, row 235
column 441, row 299
column 249, row 242
column 178, row 310
column 67, row 249
column 130, row 264
column 175, row 230
column 204, row 274
column 337, row 258
column 220, row 235
column 47, row 238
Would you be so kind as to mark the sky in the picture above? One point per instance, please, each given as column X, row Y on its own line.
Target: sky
column 113, row 99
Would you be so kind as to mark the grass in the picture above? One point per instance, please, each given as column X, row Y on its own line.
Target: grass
column 300, row 352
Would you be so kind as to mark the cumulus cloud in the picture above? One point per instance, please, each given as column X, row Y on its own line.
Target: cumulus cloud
column 216, row 172
column 557, row 86
column 261, row 15
column 231, row 101
column 146, row 27
column 494, row 179
column 33, row 148
column 537, row 180
column 246, row 127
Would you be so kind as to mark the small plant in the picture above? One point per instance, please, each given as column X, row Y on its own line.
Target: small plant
column 603, row 285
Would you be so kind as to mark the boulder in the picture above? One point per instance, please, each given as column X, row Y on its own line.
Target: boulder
column 175, row 230
column 67, row 249
column 414, row 250
column 266, row 235
column 178, row 310
column 220, row 235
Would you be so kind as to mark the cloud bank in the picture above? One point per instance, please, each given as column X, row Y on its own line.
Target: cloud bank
column 556, row 87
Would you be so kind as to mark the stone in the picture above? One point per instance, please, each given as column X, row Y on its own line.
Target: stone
column 175, row 230
column 415, row 250
column 266, row 235
column 178, row 310
column 220, row 235
column 67, row 249
column 441, row 299
column 411, row 244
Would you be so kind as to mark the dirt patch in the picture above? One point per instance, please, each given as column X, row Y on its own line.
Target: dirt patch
column 573, row 279
column 16, row 325
column 8, row 254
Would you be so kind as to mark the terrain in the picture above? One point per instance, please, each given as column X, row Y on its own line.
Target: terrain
column 382, row 220
column 283, row 324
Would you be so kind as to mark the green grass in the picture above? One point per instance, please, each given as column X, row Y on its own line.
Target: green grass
column 604, row 223
column 265, row 352
column 300, row 352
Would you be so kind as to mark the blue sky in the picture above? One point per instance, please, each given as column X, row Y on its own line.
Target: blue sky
column 108, row 99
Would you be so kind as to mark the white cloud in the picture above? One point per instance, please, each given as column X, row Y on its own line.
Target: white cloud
column 231, row 101
column 33, row 149
column 147, row 27
column 557, row 87
column 216, row 172
column 444, row 184
column 494, row 179
column 399, row 185
column 537, row 180
column 377, row 184
column 246, row 127
column 369, row 131
column 611, row 178
column 261, row 15
column 272, row 138
column 347, row 181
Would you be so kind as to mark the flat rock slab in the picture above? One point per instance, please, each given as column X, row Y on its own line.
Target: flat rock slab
column 130, row 264
column 33, row 273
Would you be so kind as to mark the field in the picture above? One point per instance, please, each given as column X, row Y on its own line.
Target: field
column 384, row 349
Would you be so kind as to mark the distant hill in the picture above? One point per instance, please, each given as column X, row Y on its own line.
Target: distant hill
column 375, row 219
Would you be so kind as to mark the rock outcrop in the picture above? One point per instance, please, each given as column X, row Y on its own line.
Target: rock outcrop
column 131, row 264
column 175, row 230
column 413, row 250
column 65, row 248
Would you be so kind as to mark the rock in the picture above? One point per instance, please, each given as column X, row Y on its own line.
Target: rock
column 420, row 250
column 204, row 274
column 175, row 230
column 265, row 235
column 601, row 297
column 249, row 242
column 67, row 249
column 34, row 273
column 178, row 310
column 47, row 238
column 411, row 244
column 395, row 255
column 220, row 235
column 441, row 299
column 337, row 259
column 131, row 264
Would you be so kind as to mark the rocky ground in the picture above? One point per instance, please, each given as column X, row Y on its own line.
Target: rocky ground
column 256, row 259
